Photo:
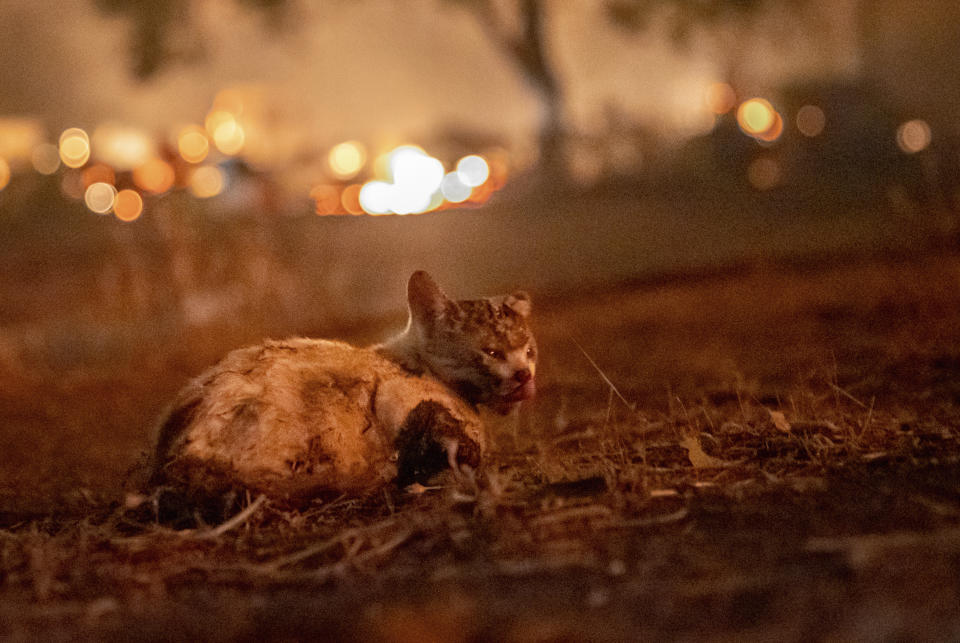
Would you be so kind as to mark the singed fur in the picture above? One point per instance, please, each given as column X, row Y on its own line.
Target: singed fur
column 305, row 417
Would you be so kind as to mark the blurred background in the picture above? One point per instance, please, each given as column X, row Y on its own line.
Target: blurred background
column 179, row 178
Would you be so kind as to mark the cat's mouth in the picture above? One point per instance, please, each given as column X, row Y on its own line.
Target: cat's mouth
column 504, row 403
column 522, row 392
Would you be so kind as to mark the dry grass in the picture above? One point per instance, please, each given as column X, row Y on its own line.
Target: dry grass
column 768, row 453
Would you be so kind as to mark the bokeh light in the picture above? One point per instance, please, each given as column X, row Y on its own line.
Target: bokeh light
column 764, row 173
column 45, row 158
column 229, row 100
column 226, row 132
column 811, row 120
column 193, row 144
column 156, row 175
column 99, row 197
column 19, row 136
column 74, row 147
column 71, row 184
column 720, row 98
column 473, row 170
column 375, row 197
column 756, row 116
column 98, row 173
column 326, row 199
column 774, row 131
column 454, row 189
column 414, row 170
column 128, row 205
column 122, row 147
column 347, row 159
column 4, row 173
column 914, row 136
column 350, row 199
column 207, row 181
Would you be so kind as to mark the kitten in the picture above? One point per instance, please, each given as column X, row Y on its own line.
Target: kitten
column 301, row 418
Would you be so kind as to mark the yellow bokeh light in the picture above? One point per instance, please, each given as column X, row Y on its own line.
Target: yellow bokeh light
column 206, row 182
column 914, row 136
column 19, row 136
column 193, row 144
column 45, row 158
column 811, row 120
column 756, row 116
column 127, row 205
column 720, row 98
column 99, row 197
column 122, row 147
column 156, row 175
column 764, row 173
column 74, row 147
column 229, row 137
column 774, row 131
column 347, row 159
column 4, row 173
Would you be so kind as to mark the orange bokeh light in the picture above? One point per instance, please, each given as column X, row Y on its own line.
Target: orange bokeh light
column 155, row 176
column 193, row 144
column 774, row 131
column 98, row 173
column 350, row 199
column 326, row 198
column 128, row 205
column 720, row 98
column 4, row 173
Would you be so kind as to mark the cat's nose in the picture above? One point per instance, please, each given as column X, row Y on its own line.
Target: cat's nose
column 523, row 375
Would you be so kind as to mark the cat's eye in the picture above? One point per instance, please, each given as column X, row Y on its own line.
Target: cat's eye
column 494, row 353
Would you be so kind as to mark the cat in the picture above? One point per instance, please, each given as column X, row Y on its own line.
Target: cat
column 304, row 418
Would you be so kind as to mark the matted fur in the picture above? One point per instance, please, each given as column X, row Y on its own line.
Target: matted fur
column 303, row 417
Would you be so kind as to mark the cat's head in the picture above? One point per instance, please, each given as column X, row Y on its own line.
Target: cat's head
column 482, row 348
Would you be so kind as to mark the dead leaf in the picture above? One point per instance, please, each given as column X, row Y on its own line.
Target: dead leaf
column 779, row 420
column 698, row 457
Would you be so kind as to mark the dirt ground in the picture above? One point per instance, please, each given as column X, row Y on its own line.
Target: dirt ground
column 767, row 453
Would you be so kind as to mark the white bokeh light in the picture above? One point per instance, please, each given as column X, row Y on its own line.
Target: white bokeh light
column 454, row 189
column 473, row 170
column 375, row 197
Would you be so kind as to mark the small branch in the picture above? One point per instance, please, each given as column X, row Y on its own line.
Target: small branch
column 847, row 395
column 236, row 521
column 603, row 375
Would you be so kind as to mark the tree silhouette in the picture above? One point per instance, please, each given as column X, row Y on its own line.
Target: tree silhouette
column 518, row 28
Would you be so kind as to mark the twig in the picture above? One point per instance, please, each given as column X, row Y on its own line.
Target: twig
column 573, row 513
column 846, row 395
column 305, row 553
column 664, row 519
column 236, row 521
column 603, row 375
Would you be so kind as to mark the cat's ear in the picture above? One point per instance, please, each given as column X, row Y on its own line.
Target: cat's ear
column 427, row 302
column 519, row 302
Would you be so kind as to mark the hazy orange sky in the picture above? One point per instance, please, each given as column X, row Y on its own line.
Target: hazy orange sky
column 373, row 68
